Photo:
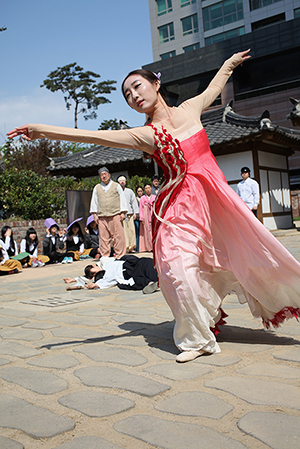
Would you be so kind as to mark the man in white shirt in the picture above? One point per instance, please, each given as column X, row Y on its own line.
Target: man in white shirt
column 133, row 210
column 109, row 207
column 248, row 190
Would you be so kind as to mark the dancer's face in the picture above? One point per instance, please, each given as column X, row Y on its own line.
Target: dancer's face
column 93, row 225
column 140, row 94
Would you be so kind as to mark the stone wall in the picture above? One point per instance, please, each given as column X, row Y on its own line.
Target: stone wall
column 20, row 227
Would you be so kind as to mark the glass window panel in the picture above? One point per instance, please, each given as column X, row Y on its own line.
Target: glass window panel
column 170, row 54
column 191, row 47
column 189, row 25
column 216, row 11
column 161, row 7
column 229, row 7
column 206, row 14
column 195, row 23
column 171, row 28
column 223, row 13
column 256, row 4
column 232, row 33
column 218, row 38
column 230, row 18
column 166, row 33
column 186, row 2
column 216, row 23
column 297, row 13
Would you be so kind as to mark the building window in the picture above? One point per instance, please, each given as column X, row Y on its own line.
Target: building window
column 189, row 25
column 170, row 54
column 191, row 47
column 268, row 22
column 224, row 36
column 163, row 6
column 222, row 13
column 186, row 2
column 166, row 33
column 256, row 4
column 297, row 13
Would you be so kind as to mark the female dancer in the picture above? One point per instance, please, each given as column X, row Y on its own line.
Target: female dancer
column 206, row 240
column 145, row 207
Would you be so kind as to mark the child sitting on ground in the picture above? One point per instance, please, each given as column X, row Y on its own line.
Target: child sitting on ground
column 7, row 265
column 74, row 242
column 7, row 241
column 92, row 238
column 53, row 241
column 30, row 246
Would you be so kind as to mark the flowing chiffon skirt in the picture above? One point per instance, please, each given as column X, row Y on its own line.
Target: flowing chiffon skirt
column 239, row 253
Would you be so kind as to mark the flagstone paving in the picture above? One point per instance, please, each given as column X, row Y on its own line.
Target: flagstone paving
column 97, row 370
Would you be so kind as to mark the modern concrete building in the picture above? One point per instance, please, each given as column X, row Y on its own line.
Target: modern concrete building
column 179, row 26
column 266, row 81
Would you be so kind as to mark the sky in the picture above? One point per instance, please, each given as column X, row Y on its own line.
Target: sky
column 108, row 37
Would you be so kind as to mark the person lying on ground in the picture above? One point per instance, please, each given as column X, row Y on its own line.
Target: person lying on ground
column 128, row 273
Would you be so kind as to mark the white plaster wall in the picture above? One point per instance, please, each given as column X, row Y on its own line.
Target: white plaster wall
column 231, row 164
column 286, row 192
column 265, row 197
column 272, row 160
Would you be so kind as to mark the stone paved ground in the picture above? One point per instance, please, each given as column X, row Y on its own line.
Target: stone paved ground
column 89, row 369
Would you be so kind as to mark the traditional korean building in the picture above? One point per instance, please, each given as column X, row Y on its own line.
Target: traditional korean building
column 235, row 140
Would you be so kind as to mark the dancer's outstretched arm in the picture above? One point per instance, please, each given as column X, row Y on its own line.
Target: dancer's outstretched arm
column 208, row 96
column 140, row 138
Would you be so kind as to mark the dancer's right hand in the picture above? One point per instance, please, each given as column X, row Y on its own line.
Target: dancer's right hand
column 21, row 131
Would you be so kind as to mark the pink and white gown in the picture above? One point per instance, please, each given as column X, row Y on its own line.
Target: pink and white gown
column 206, row 241
column 210, row 243
column 145, row 212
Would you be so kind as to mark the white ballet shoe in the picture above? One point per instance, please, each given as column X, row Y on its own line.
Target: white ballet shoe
column 187, row 356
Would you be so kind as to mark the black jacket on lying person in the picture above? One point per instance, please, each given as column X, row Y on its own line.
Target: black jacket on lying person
column 128, row 273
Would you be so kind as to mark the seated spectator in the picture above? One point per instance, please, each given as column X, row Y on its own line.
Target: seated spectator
column 7, row 265
column 29, row 245
column 53, row 241
column 92, row 238
column 73, row 236
column 7, row 241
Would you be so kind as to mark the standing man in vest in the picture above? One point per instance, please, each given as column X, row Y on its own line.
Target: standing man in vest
column 108, row 204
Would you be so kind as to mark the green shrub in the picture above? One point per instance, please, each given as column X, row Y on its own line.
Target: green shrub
column 30, row 196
